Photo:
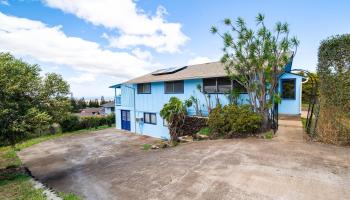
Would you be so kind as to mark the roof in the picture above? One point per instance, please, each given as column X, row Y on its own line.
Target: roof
column 116, row 86
column 206, row 70
column 90, row 111
column 108, row 105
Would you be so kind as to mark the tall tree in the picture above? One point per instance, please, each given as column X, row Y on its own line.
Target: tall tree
column 256, row 58
column 28, row 103
column 54, row 92
column 103, row 101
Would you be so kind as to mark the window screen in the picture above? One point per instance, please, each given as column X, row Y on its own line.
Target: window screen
column 209, row 85
column 174, row 87
column 288, row 88
column 224, row 85
column 150, row 118
column 144, row 88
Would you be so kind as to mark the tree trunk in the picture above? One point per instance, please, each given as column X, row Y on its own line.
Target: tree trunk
column 265, row 121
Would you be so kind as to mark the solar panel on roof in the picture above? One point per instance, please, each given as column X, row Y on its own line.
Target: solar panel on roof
column 168, row 70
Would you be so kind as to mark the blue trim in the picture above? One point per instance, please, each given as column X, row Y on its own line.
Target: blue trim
column 116, row 86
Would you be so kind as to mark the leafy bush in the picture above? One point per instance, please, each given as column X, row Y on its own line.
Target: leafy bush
column 70, row 123
column 333, row 124
column 90, row 122
column 73, row 122
column 204, row 131
column 174, row 112
column 233, row 120
column 110, row 120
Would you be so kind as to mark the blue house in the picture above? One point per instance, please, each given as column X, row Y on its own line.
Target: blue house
column 138, row 101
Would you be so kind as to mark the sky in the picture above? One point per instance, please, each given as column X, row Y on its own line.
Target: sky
column 97, row 43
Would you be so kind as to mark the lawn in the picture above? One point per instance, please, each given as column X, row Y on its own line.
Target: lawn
column 15, row 183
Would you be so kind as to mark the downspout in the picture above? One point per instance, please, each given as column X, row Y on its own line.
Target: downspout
column 134, row 109
column 115, row 106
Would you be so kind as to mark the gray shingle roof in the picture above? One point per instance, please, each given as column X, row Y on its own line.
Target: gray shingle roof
column 108, row 104
column 206, row 70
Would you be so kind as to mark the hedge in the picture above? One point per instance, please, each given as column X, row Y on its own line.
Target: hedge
column 74, row 123
column 333, row 69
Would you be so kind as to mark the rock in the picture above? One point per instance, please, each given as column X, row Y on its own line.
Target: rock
column 164, row 144
column 186, row 138
column 202, row 137
column 154, row 147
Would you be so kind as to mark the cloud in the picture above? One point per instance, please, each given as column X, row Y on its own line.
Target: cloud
column 199, row 60
column 24, row 37
column 134, row 26
column 144, row 55
column 4, row 2
column 85, row 77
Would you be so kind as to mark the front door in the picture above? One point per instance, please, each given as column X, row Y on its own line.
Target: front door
column 125, row 120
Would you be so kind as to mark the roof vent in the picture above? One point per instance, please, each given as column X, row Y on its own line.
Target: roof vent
column 170, row 70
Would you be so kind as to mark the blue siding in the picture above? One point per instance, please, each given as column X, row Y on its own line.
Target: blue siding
column 291, row 106
column 154, row 102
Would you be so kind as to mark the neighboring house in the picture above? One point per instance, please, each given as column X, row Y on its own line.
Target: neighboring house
column 91, row 112
column 108, row 108
column 139, row 101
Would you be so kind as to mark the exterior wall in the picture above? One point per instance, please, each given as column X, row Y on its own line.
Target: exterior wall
column 108, row 111
column 291, row 106
column 153, row 103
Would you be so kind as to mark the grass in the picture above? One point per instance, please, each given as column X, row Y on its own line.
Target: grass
column 146, row 146
column 19, row 187
column 204, row 131
column 14, row 182
column 68, row 196
column 268, row 135
column 37, row 140
column 303, row 121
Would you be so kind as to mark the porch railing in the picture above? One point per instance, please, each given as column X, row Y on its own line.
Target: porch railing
column 118, row 100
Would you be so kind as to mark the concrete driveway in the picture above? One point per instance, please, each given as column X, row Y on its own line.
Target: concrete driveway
column 110, row 164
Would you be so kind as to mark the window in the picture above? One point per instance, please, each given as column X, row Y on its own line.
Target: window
column 150, row 118
column 209, row 85
column 174, row 87
column 224, row 85
column 144, row 88
column 221, row 85
column 288, row 88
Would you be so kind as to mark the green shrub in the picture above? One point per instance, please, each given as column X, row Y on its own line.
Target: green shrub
column 233, row 120
column 110, row 119
column 90, row 122
column 204, row 131
column 73, row 122
column 70, row 123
